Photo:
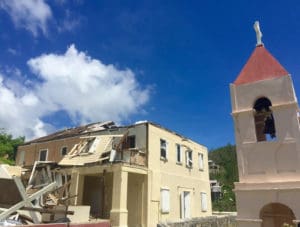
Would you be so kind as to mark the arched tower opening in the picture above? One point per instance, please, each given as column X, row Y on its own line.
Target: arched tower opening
column 276, row 215
column 264, row 120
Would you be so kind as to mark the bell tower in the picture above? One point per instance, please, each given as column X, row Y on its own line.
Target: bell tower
column 266, row 123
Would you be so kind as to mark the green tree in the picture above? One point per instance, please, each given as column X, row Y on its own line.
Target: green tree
column 225, row 157
column 9, row 145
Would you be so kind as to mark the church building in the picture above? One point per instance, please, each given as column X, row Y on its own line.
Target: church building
column 266, row 121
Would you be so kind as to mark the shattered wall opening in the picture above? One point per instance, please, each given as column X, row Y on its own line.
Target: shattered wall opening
column 93, row 194
column 97, row 193
column 264, row 120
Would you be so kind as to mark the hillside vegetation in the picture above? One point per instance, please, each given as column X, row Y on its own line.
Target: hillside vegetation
column 8, row 147
column 225, row 157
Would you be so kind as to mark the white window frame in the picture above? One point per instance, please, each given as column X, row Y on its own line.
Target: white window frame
column 204, row 205
column 178, row 146
column 46, row 154
column 61, row 149
column 188, row 160
column 88, row 146
column 165, row 200
column 166, row 149
column 201, row 161
column 94, row 145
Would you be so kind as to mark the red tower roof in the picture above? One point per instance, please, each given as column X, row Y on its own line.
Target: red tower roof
column 260, row 66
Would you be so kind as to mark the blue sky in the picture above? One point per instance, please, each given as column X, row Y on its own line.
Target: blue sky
column 65, row 63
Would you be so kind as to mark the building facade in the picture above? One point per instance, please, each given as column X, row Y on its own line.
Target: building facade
column 137, row 175
column 265, row 114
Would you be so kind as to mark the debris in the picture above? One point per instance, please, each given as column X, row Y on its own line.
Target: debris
column 45, row 197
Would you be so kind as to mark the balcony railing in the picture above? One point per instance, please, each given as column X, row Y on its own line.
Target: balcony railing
column 132, row 156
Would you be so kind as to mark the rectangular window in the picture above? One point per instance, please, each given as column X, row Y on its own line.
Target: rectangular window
column 200, row 160
column 189, row 158
column 165, row 200
column 163, row 149
column 130, row 142
column 64, row 151
column 43, row 155
column 21, row 158
column 94, row 144
column 87, row 145
column 203, row 201
column 178, row 153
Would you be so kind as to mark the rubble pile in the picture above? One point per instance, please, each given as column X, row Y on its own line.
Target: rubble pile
column 34, row 196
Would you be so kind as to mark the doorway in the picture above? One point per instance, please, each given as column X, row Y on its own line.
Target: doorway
column 93, row 194
column 276, row 215
column 136, row 200
column 185, row 204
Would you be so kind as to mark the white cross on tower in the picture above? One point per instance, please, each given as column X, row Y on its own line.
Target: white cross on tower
column 258, row 33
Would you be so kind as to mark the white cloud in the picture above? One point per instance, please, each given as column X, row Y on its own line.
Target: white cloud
column 29, row 14
column 17, row 115
column 83, row 87
column 68, row 25
column 12, row 51
column 69, row 22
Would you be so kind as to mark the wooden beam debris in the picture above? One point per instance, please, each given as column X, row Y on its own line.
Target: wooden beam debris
column 47, row 210
column 26, row 199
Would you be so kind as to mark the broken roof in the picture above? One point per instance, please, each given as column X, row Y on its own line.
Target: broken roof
column 76, row 131
column 90, row 129
column 260, row 66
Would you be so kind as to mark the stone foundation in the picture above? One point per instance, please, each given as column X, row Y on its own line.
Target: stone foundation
column 212, row 221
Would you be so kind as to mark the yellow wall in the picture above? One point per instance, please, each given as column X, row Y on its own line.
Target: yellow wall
column 176, row 177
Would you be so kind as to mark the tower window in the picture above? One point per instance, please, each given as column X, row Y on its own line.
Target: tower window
column 264, row 120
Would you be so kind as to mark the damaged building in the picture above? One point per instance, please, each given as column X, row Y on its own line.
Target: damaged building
column 137, row 175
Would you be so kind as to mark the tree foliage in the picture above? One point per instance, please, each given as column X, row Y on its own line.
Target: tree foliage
column 9, row 145
column 226, row 158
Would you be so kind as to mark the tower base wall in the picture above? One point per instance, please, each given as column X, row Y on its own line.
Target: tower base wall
column 267, row 204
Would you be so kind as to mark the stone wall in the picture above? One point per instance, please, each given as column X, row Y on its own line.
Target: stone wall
column 212, row 221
